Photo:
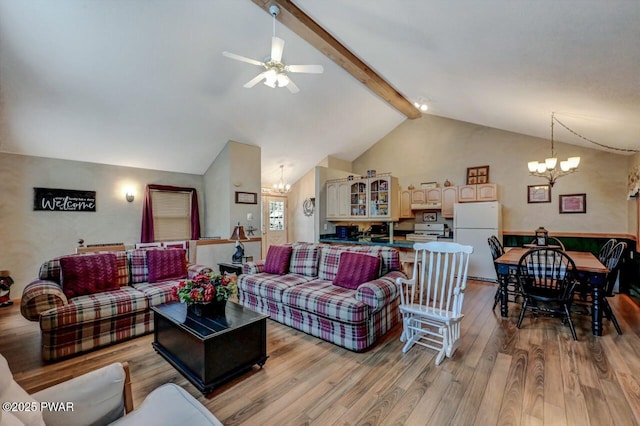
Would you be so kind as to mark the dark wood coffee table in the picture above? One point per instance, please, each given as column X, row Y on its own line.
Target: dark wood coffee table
column 210, row 350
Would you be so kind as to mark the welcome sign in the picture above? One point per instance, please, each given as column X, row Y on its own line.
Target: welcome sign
column 64, row 200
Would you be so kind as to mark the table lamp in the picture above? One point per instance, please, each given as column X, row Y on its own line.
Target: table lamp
column 237, row 235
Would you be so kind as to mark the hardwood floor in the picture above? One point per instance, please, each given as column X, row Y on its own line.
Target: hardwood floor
column 500, row 375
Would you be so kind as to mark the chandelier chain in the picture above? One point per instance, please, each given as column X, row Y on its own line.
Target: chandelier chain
column 587, row 139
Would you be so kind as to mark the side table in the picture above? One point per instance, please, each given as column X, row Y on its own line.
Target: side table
column 232, row 268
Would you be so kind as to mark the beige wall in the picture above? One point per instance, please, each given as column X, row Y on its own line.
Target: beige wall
column 435, row 149
column 28, row 238
column 236, row 168
column 301, row 227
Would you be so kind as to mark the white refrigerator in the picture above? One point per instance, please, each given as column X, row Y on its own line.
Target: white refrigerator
column 473, row 224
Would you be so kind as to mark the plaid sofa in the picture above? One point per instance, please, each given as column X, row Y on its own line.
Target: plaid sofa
column 305, row 298
column 78, row 324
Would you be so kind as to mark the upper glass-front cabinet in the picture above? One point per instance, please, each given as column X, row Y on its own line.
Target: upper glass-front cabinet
column 359, row 199
column 373, row 198
column 379, row 197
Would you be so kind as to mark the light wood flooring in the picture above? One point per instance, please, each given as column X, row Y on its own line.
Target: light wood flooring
column 500, row 375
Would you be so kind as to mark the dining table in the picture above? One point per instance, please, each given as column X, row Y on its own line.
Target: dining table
column 588, row 268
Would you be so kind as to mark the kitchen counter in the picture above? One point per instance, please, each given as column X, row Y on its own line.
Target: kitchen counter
column 399, row 243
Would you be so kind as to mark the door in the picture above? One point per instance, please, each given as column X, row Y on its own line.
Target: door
column 274, row 222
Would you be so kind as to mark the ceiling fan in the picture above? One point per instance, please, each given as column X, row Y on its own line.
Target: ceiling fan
column 275, row 71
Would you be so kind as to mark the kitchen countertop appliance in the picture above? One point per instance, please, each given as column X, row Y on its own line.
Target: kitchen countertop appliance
column 424, row 232
column 347, row 232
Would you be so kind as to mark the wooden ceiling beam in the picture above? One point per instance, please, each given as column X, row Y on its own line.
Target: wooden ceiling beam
column 300, row 23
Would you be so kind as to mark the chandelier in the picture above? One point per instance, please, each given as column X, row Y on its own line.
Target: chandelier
column 547, row 168
column 282, row 187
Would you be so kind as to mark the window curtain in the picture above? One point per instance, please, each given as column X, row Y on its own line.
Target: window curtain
column 147, row 212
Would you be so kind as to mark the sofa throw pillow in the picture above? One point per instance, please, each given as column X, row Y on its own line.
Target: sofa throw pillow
column 355, row 269
column 82, row 275
column 277, row 261
column 167, row 264
column 304, row 259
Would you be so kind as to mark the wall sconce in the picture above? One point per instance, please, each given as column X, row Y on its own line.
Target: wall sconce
column 129, row 196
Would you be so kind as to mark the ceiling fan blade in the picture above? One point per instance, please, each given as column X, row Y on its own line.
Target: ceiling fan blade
column 255, row 80
column 242, row 58
column 277, row 47
column 312, row 69
column 292, row 87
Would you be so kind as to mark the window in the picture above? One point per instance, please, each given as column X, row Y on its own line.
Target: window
column 171, row 215
column 276, row 215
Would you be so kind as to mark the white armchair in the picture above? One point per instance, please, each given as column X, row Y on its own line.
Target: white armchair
column 100, row 397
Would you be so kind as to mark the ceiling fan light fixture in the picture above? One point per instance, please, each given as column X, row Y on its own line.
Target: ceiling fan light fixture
column 274, row 74
column 283, row 80
column 270, row 78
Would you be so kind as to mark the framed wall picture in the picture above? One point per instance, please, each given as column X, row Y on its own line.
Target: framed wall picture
column 538, row 194
column 573, row 203
column 246, row 198
column 430, row 217
column 479, row 174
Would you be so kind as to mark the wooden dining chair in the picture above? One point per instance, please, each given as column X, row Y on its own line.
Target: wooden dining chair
column 513, row 289
column 547, row 280
column 431, row 301
column 584, row 300
column 603, row 254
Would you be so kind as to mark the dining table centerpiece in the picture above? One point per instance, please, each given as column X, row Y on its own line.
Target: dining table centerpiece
column 206, row 294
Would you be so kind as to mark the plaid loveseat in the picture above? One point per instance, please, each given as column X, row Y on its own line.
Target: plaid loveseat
column 71, row 325
column 306, row 299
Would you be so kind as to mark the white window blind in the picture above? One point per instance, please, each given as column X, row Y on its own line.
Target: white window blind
column 171, row 215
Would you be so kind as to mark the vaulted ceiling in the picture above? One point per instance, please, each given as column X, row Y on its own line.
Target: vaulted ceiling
column 144, row 83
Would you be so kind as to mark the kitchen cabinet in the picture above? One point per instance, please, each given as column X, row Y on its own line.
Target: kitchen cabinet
column 433, row 195
column 358, row 198
column 449, row 198
column 466, row 193
column 405, row 204
column 418, row 196
column 383, row 203
column 375, row 198
column 481, row 192
column 487, row 192
column 338, row 193
column 426, row 199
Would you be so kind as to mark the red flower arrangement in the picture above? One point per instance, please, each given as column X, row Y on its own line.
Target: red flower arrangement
column 204, row 288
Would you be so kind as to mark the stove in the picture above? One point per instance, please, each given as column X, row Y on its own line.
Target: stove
column 426, row 232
